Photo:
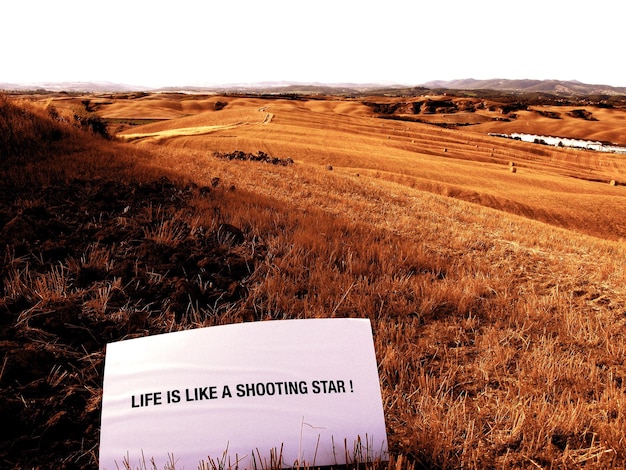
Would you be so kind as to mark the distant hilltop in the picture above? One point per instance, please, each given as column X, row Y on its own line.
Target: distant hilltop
column 73, row 87
column 557, row 87
column 553, row 87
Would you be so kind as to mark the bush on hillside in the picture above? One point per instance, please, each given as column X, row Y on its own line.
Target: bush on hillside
column 90, row 121
column 582, row 114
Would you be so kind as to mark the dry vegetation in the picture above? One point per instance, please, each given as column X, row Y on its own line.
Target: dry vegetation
column 497, row 298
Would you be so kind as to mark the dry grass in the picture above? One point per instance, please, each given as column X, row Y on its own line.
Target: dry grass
column 499, row 337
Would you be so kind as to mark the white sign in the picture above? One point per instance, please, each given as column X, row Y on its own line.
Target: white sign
column 297, row 392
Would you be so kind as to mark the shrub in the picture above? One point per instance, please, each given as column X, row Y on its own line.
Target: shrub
column 91, row 122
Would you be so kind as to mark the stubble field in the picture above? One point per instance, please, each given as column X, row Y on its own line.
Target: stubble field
column 497, row 297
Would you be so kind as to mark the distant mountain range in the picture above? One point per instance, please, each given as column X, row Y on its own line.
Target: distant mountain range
column 74, row 87
column 556, row 87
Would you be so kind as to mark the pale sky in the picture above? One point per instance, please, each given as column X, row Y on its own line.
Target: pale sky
column 185, row 42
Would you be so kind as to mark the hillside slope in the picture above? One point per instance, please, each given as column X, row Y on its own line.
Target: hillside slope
column 499, row 338
column 95, row 247
column 564, row 187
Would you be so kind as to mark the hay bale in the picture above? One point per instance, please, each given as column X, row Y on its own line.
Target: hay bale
column 329, row 167
column 513, row 169
column 511, row 164
column 613, row 183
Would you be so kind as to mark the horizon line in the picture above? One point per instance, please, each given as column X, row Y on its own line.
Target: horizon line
column 116, row 86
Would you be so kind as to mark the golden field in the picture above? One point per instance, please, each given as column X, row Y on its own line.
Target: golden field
column 497, row 298
column 557, row 186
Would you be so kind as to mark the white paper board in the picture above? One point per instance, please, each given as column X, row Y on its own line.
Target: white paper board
column 306, row 389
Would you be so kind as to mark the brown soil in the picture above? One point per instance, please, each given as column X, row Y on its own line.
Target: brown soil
column 88, row 263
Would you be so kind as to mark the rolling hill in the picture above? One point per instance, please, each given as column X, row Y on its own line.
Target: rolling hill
column 496, row 296
column 564, row 187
